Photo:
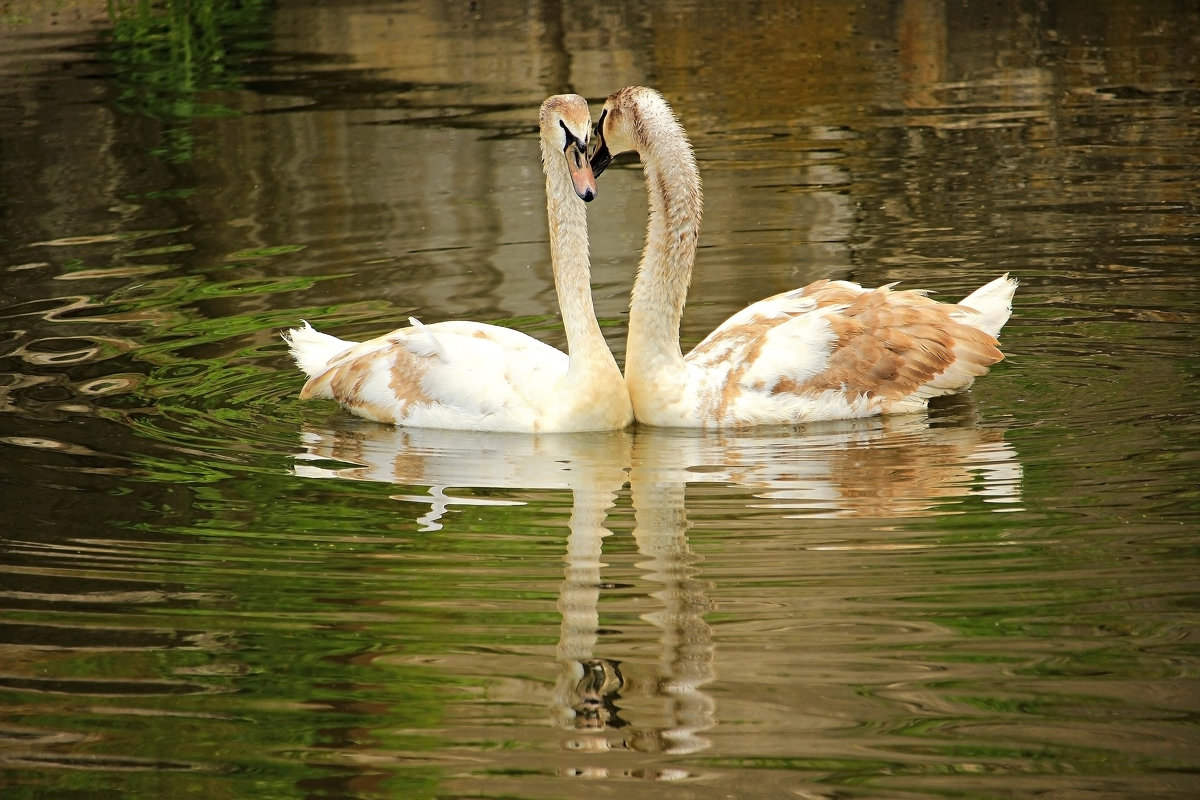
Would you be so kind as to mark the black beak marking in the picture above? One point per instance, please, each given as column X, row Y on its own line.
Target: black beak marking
column 601, row 159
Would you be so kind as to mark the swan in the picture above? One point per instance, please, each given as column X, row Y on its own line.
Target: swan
column 474, row 376
column 829, row 350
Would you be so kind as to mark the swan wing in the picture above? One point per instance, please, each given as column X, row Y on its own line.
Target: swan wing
column 445, row 375
column 887, row 351
column 733, row 372
column 798, row 312
column 834, row 350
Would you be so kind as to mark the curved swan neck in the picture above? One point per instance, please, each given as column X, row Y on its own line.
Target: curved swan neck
column 665, row 272
column 569, row 259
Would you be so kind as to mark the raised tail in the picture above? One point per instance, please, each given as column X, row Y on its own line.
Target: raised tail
column 312, row 350
column 988, row 307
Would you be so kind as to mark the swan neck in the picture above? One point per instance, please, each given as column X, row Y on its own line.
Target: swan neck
column 665, row 272
column 572, row 269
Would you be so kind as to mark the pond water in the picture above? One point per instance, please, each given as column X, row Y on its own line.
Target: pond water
column 209, row 588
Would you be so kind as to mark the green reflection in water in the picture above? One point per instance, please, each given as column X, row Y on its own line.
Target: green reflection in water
column 166, row 56
column 261, row 662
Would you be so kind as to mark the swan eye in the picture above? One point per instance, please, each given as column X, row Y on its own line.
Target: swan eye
column 571, row 138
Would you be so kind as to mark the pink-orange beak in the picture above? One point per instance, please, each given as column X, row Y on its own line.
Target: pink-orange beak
column 581, row 172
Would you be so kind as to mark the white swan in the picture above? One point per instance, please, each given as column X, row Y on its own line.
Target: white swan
column 831, row 350
column 469, row 375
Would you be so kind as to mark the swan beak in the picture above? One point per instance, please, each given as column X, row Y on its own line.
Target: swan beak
column 581, row 176
column 601, row 159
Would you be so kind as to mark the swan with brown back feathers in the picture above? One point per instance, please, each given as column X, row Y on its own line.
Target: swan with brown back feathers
column 470, row 375
column 829, row 350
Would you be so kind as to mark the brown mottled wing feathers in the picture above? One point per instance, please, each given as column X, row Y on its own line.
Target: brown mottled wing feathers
column 347, row 381
column 889, row 344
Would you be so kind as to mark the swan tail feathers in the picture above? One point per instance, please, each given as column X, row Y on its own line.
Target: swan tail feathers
column 312, row 350
column 988, row 307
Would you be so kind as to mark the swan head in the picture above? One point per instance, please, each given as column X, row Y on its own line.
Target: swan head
column 635, row 118
column 566, row 126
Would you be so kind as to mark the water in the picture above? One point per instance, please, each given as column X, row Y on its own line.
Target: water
column 210, row 588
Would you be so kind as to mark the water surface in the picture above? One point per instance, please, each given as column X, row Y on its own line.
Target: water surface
column 211, row 588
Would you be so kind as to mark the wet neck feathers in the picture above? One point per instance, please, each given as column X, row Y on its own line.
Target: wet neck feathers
column 665, row 271
column 567, row 216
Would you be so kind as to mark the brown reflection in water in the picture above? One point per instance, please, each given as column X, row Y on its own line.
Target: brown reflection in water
column 903, row 469
column 922, row 38
column 405, row 148
column 883, row 467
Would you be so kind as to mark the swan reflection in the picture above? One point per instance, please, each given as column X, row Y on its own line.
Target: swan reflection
column 440, row 460
column 884, row 467
column 880, row 467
